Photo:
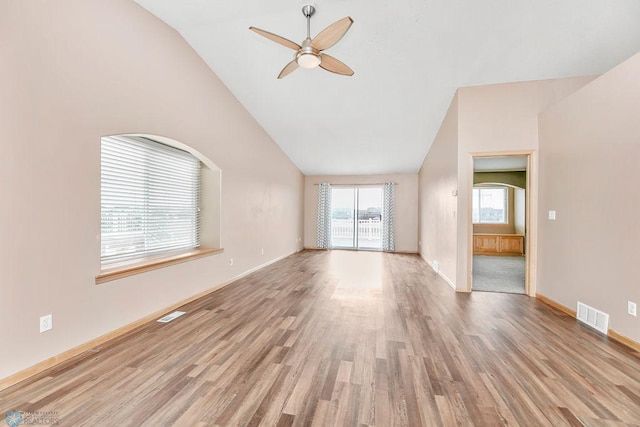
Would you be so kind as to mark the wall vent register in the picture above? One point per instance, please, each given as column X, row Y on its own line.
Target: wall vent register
column 592, row 317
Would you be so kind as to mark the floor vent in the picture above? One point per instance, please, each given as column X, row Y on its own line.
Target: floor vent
column 592, row 317
column 169, row 317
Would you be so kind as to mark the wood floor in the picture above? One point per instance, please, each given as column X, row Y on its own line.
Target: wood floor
column 347, row 338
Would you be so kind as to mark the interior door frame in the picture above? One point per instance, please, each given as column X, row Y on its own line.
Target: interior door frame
column 531, row 217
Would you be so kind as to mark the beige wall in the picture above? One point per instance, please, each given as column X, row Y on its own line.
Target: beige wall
column 589, row 154
column 438, row 203
column 496, row 119
column 519, row 211
column 481, row 120
column 76, row 70
column 406, row 204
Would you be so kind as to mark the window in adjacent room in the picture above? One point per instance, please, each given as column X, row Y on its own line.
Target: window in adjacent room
column 150, row 200
column 490, row 205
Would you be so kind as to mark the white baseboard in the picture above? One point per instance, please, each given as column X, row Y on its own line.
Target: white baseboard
column 449, row 282
column 439, row 272
column 254, row 269
column 77, row 350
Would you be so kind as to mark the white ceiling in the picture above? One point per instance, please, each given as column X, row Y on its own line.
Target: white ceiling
column 409, row 58
column 500, row 164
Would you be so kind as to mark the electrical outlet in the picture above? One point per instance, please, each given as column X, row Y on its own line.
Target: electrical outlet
column 631, row 308
column 46, row 323
column 231, row 261
column 262, row 251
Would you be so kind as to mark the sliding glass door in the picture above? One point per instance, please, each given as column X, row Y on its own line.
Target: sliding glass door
column 343, row 203
column 356, row 217
column 369, row 222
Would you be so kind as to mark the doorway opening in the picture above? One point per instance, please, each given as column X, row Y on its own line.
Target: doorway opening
column 356, row 217
column 500, row 224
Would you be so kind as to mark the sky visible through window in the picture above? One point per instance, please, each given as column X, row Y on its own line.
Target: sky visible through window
column 489, row 206
column 342, row 201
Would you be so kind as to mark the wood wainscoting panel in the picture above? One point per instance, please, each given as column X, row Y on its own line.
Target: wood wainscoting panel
column 498, row 244
column 485, row 243
column 511, row 244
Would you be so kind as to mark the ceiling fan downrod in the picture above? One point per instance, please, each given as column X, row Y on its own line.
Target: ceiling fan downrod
column 309, row 54
column 308, row 10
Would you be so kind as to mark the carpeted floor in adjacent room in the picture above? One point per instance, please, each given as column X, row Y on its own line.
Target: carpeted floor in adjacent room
column 499, row 274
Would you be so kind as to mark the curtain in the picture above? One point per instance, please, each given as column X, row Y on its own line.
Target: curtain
column 324, row 216
column 388, row 217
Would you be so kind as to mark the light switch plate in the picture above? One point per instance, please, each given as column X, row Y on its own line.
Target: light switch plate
column 552, row 215
column 631, row 308
column 46, row 323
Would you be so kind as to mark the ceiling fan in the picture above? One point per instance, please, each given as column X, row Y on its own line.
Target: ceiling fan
column 311, row 54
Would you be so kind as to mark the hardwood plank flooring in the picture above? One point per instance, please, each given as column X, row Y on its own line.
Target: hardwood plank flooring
column 346, row 338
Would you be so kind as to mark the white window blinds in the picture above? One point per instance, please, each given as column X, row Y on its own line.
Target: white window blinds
column 150, row 197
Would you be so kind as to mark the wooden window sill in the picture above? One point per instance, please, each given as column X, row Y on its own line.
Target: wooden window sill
column 121, row 271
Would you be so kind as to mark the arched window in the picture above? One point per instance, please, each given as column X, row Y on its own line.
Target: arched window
column 157, row 198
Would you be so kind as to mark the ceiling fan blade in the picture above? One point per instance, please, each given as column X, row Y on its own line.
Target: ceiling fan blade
column 276, row 38
column 288, row 69
column 330, row 63
column 332, row 34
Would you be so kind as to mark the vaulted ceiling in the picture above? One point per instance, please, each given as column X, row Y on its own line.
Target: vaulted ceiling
column 409, row 57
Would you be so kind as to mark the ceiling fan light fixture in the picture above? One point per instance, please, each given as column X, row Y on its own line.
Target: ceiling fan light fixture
column 308, row 60
column 310, row 53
